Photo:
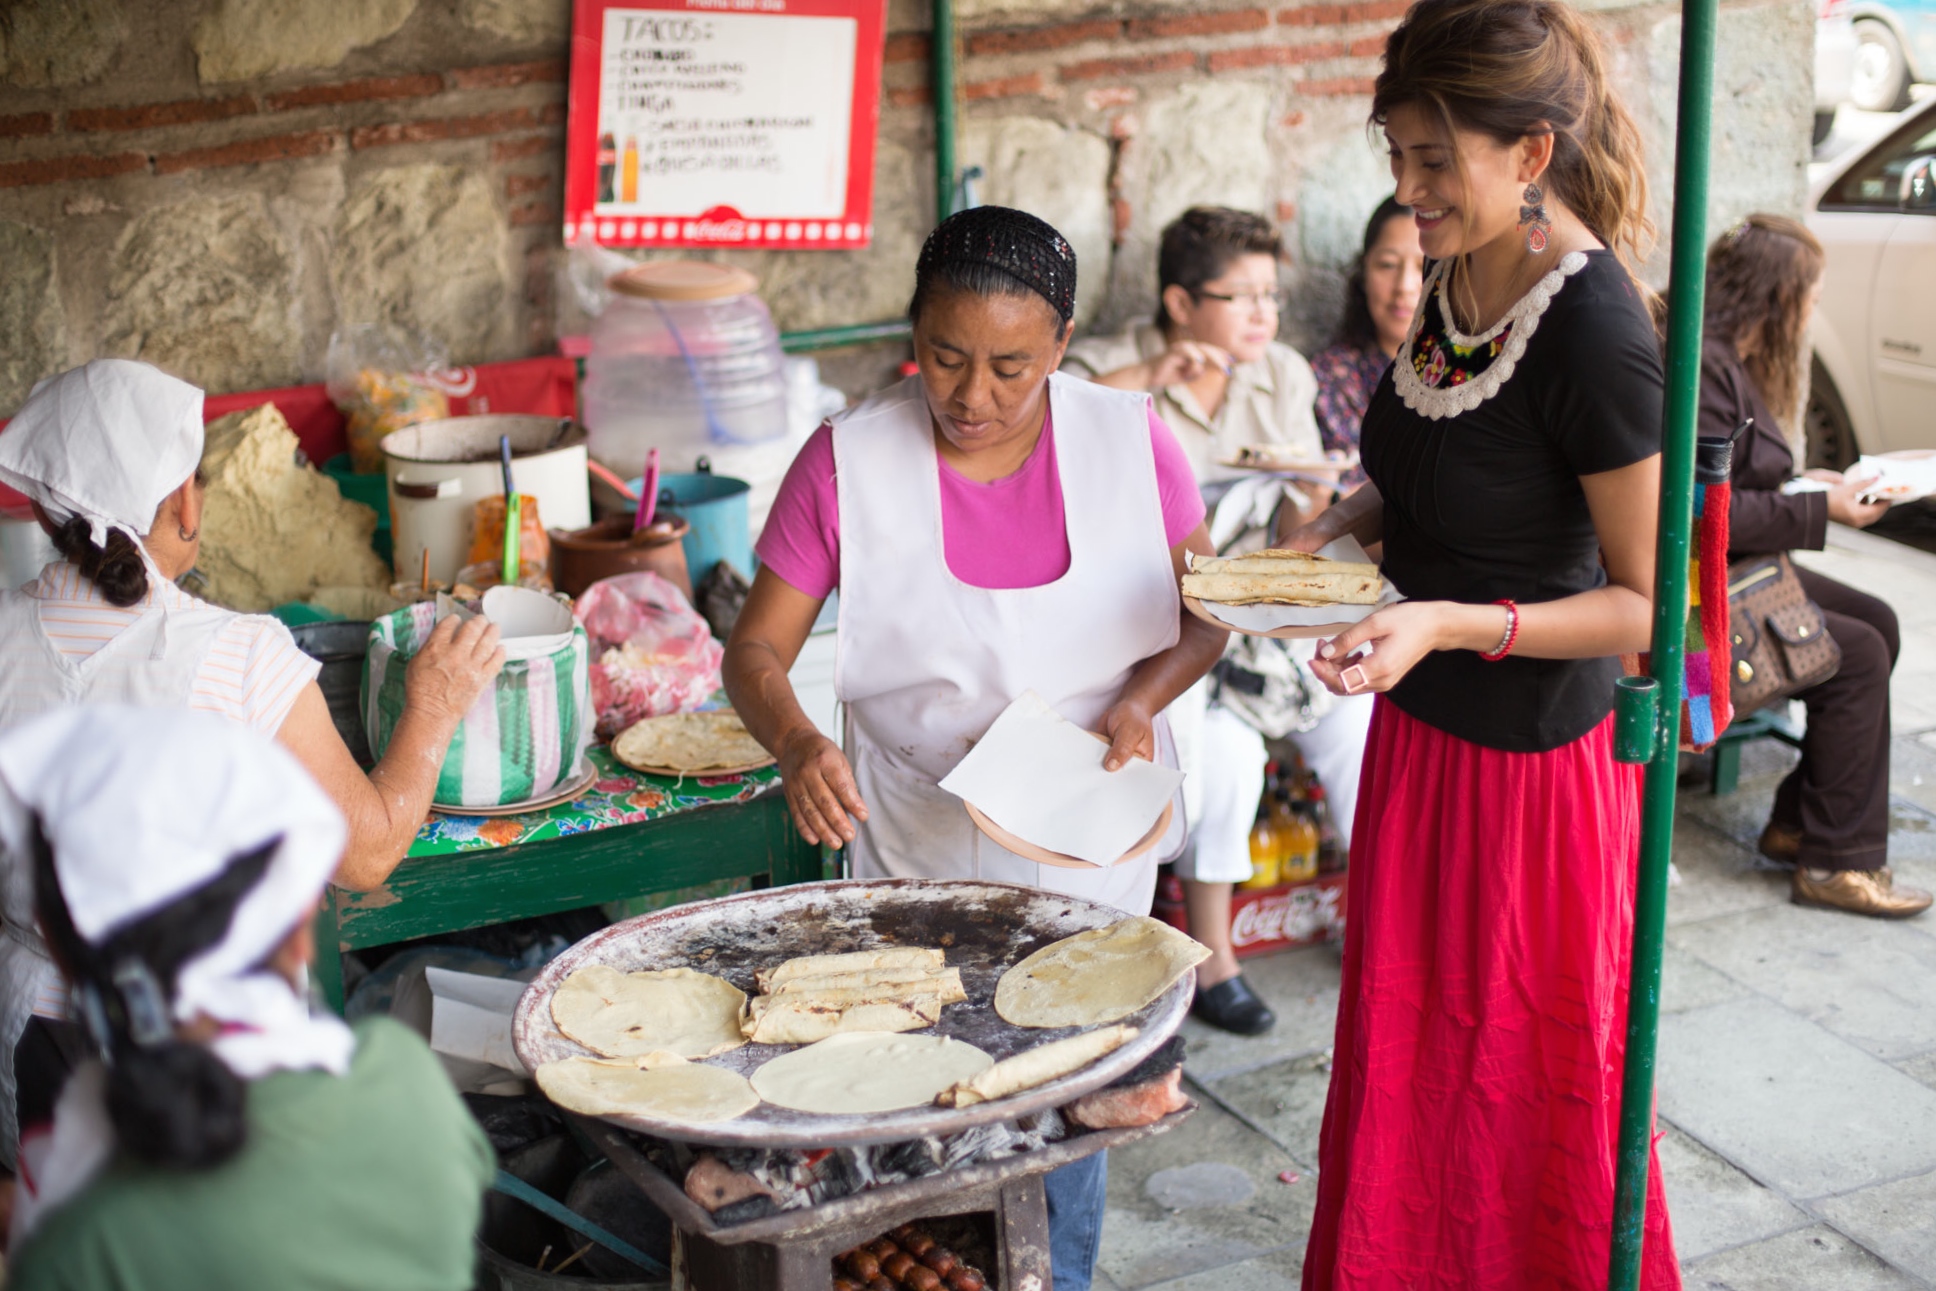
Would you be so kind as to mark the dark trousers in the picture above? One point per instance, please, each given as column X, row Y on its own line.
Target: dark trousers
column 1838, row 795
column 45, row 1057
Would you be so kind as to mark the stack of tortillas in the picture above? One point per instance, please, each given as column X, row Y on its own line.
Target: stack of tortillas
column 815, row 996
column 1102, row 975
column 1283, row 577
column 690, row 744
column 647, row 1025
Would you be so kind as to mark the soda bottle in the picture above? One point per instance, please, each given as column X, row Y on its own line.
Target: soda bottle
column 628, row 176
column 607, row 167
column 1298, row 854
column 1263, row 851
column 1331, row 852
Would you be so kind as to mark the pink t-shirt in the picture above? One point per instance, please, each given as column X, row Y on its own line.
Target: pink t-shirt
column 1007, row 533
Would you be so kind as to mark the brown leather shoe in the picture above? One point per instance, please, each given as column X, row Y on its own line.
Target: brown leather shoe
column 1870, row 892
column 1781, row 844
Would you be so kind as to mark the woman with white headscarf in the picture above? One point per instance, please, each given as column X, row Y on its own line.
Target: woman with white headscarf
column 225, row 1137
column 109, row 453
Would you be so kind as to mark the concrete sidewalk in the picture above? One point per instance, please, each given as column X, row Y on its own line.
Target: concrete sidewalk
column 1798, row 1055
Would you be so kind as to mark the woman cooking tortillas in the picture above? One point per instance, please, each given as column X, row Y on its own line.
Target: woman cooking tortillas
column 992, row 528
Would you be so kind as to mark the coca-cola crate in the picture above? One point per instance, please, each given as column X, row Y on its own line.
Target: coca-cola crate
column 1263, row 920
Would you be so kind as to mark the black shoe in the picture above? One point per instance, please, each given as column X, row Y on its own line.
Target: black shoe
column 1233, row 1006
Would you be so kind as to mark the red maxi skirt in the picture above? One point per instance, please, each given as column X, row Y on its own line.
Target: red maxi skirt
column 1469, row 1135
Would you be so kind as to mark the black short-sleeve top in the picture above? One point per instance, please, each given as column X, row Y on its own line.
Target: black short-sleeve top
column 1477, row 444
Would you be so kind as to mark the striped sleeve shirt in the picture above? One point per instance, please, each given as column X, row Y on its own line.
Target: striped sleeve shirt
column 252, row 674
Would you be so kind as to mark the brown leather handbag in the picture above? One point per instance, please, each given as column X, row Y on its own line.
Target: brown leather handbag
column 1781, row 644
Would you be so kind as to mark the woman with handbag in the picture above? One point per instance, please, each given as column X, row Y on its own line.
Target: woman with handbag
column 1514, row 456
column 1831, row 814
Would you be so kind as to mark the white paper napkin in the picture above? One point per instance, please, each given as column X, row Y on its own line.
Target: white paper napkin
column 1040, row 777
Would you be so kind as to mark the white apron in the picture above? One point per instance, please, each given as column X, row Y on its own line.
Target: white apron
column 152, row 663
column 925, row 663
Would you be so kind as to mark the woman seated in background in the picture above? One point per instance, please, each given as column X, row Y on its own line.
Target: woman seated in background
column 1217, row 372
column 1211, row 360
column 218, row 1137
column 1831, row 814
column 110, row 454
column 1379, row 301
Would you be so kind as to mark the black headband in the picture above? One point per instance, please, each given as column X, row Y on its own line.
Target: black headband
column 1014, row 242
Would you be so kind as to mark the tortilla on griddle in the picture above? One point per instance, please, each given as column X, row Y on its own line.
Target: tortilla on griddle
column 690, row 1093
column 946, row 984
column 692, row 743
column 1102, row 975
column 915, row 958
column 692, row 1014
column 1037, row 1066
column 866, row 1072
column 799, row 1019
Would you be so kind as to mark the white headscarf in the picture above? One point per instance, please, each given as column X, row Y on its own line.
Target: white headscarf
column 108, row 440
column 141, row 806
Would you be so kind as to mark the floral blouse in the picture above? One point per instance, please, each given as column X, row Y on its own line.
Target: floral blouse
column 1347, row 375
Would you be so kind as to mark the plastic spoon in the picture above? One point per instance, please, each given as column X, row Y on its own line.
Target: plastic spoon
column 611, row 477
column 513, row 517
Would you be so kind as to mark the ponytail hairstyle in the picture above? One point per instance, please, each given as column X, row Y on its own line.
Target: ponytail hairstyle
column 173, row 1103
column 1513, row 68
column 1759, row 276
column 116, row 568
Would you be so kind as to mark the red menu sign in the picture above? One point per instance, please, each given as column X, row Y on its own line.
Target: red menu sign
column 709, row 123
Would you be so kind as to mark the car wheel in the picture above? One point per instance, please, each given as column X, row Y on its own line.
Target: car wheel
column 1880, row 82
column 1831, row 439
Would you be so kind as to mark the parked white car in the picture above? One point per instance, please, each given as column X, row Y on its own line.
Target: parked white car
column 1835, row 55
column 1873, row 383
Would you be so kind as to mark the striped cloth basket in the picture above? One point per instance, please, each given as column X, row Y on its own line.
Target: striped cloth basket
column 524, row 737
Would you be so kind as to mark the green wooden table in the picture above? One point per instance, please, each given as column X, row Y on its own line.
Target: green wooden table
column 632, row 835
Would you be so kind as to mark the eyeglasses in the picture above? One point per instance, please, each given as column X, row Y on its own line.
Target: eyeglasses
column 1277, row 300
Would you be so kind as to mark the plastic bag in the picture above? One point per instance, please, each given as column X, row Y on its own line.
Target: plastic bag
column 651, row 652
column 383, row 381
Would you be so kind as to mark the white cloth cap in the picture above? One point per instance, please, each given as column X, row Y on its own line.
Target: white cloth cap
column 108, row 440
column 143, row 805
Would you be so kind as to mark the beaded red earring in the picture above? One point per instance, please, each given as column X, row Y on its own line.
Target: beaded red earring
column 1533, row 218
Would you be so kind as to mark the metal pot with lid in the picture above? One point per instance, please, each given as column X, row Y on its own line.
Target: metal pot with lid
column 438, row 470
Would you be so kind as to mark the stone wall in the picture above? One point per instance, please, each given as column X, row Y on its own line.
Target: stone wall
column 217, row 185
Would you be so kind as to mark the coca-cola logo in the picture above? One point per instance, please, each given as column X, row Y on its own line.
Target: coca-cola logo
column 1302, row 914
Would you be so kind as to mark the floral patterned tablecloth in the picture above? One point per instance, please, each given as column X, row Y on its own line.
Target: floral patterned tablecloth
column 620, row 796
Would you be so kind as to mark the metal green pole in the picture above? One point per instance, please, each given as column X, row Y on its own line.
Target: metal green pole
column 941, row 78
column 1686, row 292
column 832, row 338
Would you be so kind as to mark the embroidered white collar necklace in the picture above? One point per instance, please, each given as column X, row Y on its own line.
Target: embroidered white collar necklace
column 1437, row 402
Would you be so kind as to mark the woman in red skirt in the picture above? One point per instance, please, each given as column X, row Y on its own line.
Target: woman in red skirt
column 1513, row 451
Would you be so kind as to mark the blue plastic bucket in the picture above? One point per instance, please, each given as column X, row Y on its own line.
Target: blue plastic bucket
column 716, row 508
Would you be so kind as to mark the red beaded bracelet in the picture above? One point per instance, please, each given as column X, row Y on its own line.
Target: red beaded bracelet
column 1512, row 634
